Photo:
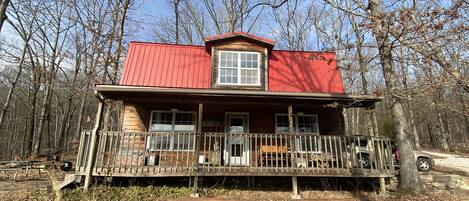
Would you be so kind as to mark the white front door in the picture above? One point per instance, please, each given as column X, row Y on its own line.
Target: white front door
column 236, row 143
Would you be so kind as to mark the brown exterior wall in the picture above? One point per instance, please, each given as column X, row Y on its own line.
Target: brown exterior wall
column 261, row 120
column 238, row 45
column 261, row 117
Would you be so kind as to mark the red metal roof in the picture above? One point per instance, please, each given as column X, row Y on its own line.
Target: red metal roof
column 166, row 65
column 188, row 66
column 302, row 71
column 239, row 34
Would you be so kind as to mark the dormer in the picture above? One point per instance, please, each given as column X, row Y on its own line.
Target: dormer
column 239, row 61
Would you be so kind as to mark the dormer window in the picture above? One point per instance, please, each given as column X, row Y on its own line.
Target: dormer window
column 239, row 68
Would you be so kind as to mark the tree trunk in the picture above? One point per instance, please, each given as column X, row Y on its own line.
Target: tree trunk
column 465, row 117
column 408, row 105
column 109, row 103
column 81, row 113
column 12, row 142
column 442, row 133
column 43, row 117
column 414, row 128
column 362, row 63
column 13, row 84
column 3, row 12
column 176, row 18
column 67, row 110
column 409, row 176
column 32, row 114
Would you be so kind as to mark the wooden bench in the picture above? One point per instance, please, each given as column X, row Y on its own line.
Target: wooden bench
column 270, row 154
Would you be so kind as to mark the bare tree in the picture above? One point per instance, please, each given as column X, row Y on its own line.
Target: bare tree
column 3, row 9
column 409, row 177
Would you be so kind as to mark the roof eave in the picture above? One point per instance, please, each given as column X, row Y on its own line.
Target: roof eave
column 215, row 92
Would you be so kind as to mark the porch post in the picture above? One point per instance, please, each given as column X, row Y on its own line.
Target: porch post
column 92, row 150
column 194, row 192
column 291, row 130
column 345, row 121
column 382, row 185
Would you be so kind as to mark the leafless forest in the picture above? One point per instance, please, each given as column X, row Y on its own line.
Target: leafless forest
column 412, row 52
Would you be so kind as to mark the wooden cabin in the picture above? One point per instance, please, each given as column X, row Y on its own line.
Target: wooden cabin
column 234, row 107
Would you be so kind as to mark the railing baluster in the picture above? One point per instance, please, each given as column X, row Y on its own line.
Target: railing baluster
column 256, row 153
column 159, row 138
column 373, row 159
column 80, row 152
column 177, row 147
column 336, row 155
column 340, row 154
column 111, row 153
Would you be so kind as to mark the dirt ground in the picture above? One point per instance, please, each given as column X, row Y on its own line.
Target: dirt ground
column 39, row 189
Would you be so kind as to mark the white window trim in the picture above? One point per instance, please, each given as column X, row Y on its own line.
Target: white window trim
column 239, row 68
column 173, row 121
column 296, row 122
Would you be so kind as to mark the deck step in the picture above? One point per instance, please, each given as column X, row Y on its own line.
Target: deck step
column 69, row 178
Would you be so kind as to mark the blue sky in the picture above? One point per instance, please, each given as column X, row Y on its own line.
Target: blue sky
column 146, row 12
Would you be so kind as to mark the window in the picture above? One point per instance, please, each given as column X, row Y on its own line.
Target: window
column 239, row 68
column 302, row 123
column 172, row 121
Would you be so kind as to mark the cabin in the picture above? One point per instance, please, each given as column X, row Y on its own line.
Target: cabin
column 233, row 107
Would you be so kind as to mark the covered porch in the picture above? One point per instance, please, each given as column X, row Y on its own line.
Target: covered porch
column 190, row 132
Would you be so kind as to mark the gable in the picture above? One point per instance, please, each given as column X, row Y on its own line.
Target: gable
column 221, row 38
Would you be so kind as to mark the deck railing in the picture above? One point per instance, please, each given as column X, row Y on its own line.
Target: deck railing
column 148, row 154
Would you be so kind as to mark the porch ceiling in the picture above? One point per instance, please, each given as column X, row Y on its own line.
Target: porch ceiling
column 119, row 92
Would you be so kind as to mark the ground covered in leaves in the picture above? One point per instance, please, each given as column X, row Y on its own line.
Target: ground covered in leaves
column 212, row 189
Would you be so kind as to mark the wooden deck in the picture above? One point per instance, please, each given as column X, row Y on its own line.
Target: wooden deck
column 144, row 154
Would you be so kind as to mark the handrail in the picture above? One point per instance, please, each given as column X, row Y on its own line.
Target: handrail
column 174, row 154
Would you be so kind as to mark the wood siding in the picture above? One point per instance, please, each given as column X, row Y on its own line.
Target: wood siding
column 135, row 119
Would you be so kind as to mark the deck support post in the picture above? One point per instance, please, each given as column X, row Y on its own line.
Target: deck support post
column 195, row 192
column 195, row 187
column 295, row 195
column 291, row 130
column 382, row 186
column 92, row 150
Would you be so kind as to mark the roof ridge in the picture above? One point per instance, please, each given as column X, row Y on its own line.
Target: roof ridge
column 168, row 44
column 304, row 51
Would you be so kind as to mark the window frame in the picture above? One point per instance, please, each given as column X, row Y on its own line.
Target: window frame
column 239, row 68
column 295, row 122
column 172, row 146
column 298, row 145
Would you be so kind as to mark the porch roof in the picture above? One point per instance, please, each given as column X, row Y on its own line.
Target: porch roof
column 346, row 100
